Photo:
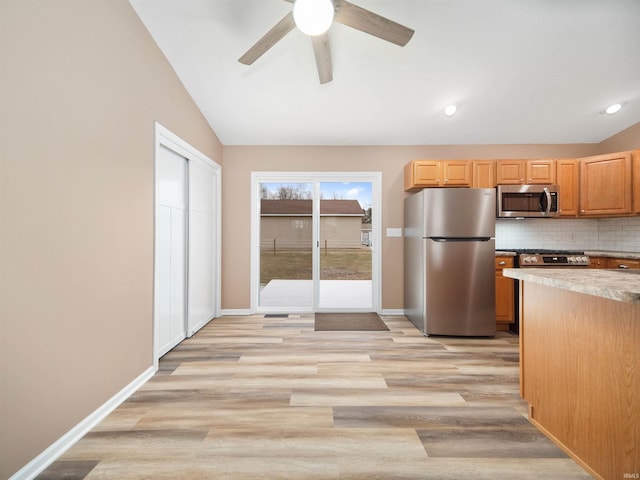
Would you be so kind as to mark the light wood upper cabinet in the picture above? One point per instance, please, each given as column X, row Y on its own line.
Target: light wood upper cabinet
column 518, row 172
column 542, row 171
column 420, row 174
column 568, row 178
column 510, row 172
column 483, row 174
column 606, row 185
column 636, row 181
column 456, row 173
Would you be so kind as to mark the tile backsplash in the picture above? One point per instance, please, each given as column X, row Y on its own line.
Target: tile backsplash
column 617, row 234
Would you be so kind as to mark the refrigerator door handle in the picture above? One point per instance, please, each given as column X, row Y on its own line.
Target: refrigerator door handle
column 459, row 239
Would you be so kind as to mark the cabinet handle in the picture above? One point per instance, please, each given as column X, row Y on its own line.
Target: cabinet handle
column 502, row 263
column 622, row 265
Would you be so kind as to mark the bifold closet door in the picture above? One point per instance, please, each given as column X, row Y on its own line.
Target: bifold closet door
column 172, row 207
column 202, row 242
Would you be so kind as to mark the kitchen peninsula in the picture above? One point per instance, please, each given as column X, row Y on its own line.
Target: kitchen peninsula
column 580, row 363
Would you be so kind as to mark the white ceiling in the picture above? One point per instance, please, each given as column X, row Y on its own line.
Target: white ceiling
column 522, row 71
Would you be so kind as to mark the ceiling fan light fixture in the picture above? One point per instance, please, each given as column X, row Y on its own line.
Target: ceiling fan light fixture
column 313, row 17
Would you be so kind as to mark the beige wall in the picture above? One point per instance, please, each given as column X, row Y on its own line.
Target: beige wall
column 240, row 161
column 82, row 84
column 628, row 139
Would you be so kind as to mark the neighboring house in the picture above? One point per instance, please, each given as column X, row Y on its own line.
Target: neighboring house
column 286, row 224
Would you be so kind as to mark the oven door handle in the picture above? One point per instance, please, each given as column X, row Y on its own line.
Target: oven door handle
column 548, row 195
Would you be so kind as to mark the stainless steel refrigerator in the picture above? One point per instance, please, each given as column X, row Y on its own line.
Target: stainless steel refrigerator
column 449, row 261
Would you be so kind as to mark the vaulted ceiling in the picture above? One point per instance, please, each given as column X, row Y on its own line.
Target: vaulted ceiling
column 520, row 71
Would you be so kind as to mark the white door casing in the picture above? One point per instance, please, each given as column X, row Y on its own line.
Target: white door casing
column 315, row 178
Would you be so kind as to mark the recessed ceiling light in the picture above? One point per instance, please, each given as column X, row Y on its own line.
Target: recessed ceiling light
column 451, row 110
column 611, row 109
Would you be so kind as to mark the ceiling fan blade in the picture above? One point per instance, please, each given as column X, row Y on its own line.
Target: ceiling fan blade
column 269, row 39
column 323, row 57
column 357, row 17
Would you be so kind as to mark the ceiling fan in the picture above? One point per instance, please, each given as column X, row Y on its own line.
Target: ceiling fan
column 340, row 11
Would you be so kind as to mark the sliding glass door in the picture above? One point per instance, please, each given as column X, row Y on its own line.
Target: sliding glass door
column 286, row 245
column 314, row 247
column 345, row 253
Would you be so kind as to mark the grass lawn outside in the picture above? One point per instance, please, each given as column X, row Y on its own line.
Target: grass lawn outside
column 335, row 264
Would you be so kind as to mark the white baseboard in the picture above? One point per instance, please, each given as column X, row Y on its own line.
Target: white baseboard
column 56, row 449
column 397, row 311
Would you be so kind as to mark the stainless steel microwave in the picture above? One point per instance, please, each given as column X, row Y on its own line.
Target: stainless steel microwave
column 522, row 201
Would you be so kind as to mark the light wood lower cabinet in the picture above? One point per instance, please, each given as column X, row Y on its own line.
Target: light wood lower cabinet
column 609, row 262
column 623, row 263
column 504, row 295
column 579, row 373
column 598, row 262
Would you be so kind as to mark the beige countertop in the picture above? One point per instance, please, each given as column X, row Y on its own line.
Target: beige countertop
column 623, row 286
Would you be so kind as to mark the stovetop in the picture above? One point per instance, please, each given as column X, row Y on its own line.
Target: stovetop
column 539, row 257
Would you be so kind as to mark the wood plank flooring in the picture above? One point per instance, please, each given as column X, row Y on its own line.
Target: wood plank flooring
column 269, row 398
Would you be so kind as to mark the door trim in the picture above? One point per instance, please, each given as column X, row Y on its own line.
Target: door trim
column 164, row 138
column 312, row 177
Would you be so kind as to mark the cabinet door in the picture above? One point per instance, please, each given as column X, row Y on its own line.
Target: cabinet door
column 598, row 262
column 636, row 181
column 456, row 173
column 510, row 172
column 504, row 294
column 422, row 173
column 623, row 263
column 567, row 175
column 483, row 174
column 605, row 184
column 541, row 171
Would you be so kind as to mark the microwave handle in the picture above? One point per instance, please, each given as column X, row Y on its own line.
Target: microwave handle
column 548, row 195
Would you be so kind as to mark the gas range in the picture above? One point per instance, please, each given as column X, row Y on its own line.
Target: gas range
column 551, row 258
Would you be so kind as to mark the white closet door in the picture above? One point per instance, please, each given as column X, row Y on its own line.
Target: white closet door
column 202, row 242
column 172, row 206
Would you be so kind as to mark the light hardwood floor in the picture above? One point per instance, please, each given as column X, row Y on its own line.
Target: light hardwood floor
column 270, row 398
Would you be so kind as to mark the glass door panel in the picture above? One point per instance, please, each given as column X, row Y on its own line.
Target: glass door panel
column 286, row 246
column 345, row 256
